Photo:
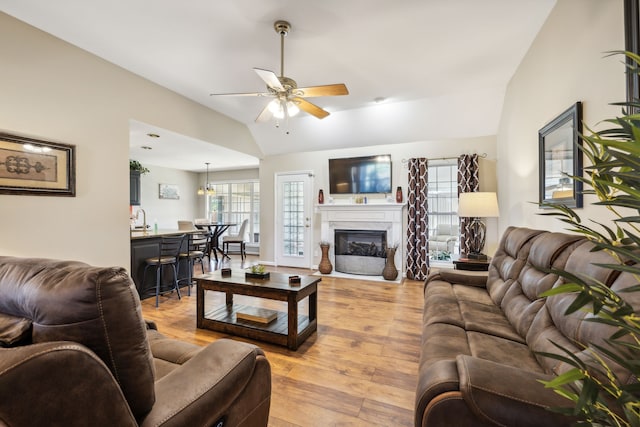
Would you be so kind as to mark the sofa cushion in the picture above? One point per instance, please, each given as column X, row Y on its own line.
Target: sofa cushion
column 502, row 350
column 169, row 354
column 443, row 306
column 582, row 262
column 468, row 307
column 509, row 260
column 522, row 300
column 93, row 306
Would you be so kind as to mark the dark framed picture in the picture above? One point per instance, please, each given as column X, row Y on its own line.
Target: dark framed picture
column 35, row 167
column 561, row 159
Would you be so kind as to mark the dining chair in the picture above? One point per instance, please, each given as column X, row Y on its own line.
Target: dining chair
column 168, row 255
column 197, row 249
column 236, row 238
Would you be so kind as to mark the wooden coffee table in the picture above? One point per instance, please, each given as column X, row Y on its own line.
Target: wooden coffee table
column 289, row 329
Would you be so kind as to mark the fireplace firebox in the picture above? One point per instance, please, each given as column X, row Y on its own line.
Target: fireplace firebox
column 360, row 251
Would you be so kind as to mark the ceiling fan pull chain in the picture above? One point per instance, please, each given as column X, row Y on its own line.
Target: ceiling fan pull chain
column 282, row 34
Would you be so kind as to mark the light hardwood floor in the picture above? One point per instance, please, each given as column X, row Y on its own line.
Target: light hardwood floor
column 359, row 369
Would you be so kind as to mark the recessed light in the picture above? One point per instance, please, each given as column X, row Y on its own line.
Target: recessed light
column 153, row 135
column 146, row 147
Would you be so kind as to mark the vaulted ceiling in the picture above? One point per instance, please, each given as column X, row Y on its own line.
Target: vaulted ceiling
column 415, row 69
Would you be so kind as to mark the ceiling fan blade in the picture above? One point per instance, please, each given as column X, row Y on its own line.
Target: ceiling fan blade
column 310, row 108
column 265, row 115
column 269, row 78
column 326, row 90
column 242, row 94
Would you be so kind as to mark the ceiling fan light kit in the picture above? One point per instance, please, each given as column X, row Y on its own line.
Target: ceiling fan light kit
column 281, row 108
column 289, row 98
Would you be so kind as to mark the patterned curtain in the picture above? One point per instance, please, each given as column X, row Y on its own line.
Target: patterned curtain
column 467, row 182
column 418, row 230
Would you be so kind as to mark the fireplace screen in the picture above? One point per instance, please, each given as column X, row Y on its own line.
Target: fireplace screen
column 361, row 242
column 360, row 251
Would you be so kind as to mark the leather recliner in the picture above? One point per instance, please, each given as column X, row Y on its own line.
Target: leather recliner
column 77, row 352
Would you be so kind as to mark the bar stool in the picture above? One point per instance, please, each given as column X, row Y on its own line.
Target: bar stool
column 168, row 254
column 197, row 249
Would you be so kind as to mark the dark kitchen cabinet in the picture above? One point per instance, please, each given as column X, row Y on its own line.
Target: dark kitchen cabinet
column 134, row 188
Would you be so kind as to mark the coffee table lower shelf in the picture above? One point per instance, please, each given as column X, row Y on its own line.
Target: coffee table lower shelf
column 223, row 319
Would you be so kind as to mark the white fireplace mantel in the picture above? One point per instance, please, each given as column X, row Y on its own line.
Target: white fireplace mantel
column 373, row 216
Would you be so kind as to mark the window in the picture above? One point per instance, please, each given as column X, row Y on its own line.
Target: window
column 293, row 220
column 442, row 196
column 234, row 202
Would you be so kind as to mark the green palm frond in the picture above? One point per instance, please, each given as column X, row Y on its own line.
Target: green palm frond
column 612, row 176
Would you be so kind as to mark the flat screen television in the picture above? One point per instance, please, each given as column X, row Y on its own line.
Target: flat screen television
column 360, row 175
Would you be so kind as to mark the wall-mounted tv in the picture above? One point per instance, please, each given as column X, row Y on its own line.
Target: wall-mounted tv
column 360, row 175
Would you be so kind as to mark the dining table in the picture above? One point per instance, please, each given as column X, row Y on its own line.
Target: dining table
column 215, row 231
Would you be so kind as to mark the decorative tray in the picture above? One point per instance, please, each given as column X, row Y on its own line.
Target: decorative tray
column 249, row 275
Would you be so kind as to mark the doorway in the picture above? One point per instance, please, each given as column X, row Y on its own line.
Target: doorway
column 294, row 219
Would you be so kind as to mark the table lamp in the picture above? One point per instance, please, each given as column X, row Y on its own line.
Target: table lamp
column 478, row 205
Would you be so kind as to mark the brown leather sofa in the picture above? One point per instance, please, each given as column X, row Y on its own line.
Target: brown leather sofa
column 78, row 353
column 481, row 333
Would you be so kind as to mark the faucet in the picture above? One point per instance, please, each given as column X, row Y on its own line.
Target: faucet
column 144, row 218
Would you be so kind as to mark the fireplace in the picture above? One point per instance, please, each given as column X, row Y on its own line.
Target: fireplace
column 378, row 217
column 360, row 251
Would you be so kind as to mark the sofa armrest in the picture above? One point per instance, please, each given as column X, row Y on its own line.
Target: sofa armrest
column 151, row 325
column 505, row 395
column 461, row 277
column 59, row 383
column 227, row 380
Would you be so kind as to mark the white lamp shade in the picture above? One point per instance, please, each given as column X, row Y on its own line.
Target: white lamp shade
column 478, row 204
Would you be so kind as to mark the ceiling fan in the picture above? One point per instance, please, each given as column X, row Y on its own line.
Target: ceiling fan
column 288, row 97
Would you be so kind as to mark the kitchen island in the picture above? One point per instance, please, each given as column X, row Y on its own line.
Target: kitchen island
column 146, row 244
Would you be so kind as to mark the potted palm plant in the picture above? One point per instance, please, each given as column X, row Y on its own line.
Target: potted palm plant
column 136, row 166
column 599, row 397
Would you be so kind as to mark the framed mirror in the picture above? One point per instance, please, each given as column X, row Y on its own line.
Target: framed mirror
column 561, row 159
column 632, row 44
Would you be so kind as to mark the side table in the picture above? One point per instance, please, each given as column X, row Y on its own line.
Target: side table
column 472, row 264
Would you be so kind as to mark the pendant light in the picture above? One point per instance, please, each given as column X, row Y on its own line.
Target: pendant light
column 207, row 189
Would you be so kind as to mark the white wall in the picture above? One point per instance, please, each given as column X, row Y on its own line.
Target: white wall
column 317, row 162
column 565, row 64
column 54, row 91
column 233, row 175
column 169, row 211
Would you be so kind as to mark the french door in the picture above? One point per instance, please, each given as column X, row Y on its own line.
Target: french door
column 294, row 207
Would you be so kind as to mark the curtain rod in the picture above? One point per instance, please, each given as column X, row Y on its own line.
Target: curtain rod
column 483, row 155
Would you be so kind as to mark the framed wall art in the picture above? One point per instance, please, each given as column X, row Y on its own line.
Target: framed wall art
column 169, row 191
column 34, row 167
column 561, row 159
